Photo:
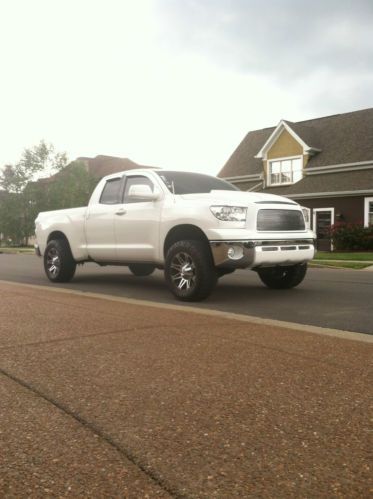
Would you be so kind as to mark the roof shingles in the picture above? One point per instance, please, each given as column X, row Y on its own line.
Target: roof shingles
column 360, row 180
column 342, row 138
column 102, row 165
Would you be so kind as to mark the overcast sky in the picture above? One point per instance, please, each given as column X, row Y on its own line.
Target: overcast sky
column 175, row 83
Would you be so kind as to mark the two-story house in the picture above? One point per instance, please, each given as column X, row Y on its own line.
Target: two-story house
column 325, row 164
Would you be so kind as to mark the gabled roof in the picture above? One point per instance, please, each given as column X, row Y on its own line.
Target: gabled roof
column 291, row 128
column 101, row 165
column 341, row 139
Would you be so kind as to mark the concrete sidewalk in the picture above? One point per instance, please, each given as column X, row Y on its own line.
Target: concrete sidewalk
column 107, row 398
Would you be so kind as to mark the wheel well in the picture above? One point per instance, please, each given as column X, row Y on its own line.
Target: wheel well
column 184, row 232
column 56, row 235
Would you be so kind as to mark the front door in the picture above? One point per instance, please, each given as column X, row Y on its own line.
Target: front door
column 137, row 230
column 100, row 222
column 323, row 220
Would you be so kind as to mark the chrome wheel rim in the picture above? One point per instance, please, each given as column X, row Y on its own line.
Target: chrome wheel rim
column 53, row 262
column 183, row 271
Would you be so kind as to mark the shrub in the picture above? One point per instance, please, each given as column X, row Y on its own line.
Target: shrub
column 352, row 237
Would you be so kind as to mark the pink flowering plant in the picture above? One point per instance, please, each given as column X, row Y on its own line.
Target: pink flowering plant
column 351, row 237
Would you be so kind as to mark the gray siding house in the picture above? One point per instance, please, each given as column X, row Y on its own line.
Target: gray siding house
column 325, row 164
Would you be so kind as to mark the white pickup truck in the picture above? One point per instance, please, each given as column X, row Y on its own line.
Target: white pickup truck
column 195, row 227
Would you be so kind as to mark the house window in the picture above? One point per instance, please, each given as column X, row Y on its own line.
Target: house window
column 368, row 212
column 285, row 171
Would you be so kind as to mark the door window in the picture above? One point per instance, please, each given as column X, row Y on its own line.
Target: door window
column 136, row 180
column 111, row 191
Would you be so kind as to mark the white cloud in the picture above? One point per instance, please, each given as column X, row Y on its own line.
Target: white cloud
column 163, row 84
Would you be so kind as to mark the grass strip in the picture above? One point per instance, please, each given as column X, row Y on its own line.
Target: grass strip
column 341, row 264
column 335, row 255
column 11, row 251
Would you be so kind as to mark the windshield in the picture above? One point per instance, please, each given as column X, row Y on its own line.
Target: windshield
column 193, row 183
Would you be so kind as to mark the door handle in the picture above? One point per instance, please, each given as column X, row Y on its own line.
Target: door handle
column 121, row 212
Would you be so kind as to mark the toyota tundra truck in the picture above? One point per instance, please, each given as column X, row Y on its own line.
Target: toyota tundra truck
column 195, row 227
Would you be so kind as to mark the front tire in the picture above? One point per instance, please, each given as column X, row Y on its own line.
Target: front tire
column 59, row 264
column 189, row 270
column 283, row 277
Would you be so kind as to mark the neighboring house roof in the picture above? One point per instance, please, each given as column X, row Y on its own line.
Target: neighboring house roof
column 302, row 135
column 243, row 160
column 101, row 165
column 307, row 133
column 341, row 138
column 343, row 183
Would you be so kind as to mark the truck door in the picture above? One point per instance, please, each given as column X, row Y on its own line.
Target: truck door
column 137, row 228
column 100, row 221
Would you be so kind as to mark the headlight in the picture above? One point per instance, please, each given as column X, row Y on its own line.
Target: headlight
column 229, row 213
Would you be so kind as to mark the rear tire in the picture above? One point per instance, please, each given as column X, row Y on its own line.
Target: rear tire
column 283, row 277
column 59, row 264
column 141, row 269
column 189, row 270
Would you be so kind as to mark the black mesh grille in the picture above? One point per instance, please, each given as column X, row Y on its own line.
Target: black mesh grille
column 280, row 220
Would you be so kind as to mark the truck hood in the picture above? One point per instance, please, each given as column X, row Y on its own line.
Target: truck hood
column 237, row 198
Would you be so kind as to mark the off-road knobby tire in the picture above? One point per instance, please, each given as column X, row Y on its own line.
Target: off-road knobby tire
column 141, row 269
column 204, row 270
column 283, row 277
column 67, row 264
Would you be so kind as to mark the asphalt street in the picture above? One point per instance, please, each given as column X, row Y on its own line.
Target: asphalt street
column 332, row 298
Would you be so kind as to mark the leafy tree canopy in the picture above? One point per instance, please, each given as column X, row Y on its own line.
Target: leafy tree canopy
column 35, row 161
column 42, row 180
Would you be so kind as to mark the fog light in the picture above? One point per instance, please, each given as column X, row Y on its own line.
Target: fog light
column 235, row 252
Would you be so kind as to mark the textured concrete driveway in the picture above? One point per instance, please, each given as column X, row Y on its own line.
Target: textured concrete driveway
column 105, row 398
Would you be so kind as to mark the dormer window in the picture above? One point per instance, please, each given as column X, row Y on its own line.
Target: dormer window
column 285, row 170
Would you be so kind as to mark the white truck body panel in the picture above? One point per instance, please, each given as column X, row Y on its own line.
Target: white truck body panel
column 71, row 223
column 136, row 231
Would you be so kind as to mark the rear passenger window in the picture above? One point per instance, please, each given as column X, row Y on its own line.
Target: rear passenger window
column 111, row 191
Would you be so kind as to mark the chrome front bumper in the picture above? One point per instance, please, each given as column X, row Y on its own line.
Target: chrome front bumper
column 261, row 253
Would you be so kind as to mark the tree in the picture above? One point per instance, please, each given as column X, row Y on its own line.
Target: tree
column 19, row 202
column 11, row 228
column 24, row 195
column 36, row 161
column 71, row 187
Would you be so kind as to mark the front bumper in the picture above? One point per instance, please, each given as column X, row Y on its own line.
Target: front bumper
column 261, row 253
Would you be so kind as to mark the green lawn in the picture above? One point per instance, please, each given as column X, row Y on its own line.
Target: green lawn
column 340, row 265
column 26, row 250
column 334, row 255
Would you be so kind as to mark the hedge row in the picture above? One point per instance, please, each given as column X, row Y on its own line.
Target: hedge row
column 352, row 237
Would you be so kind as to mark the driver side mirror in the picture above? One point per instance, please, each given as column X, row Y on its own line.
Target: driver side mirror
column 142, row 192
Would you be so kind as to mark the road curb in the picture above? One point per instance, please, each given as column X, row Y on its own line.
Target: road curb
column 336, row 333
